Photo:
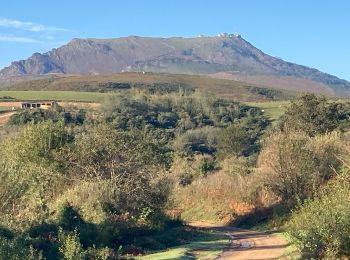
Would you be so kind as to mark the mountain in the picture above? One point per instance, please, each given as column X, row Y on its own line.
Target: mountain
column 228, row 56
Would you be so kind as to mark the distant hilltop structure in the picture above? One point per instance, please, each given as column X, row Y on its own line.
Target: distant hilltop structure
column 229, row 35
column 224, row 34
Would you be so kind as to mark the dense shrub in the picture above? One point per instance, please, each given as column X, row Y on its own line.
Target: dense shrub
column 233, row 141
column 317, row 115
column 17, row 249
column 267, row 92
column 203, row 140
column 30, row 172
column 193, row 120
column 70, row 247
column 129, row 165
column 321, row 227
column 35, row 116
column 107, row 184
column 294, row 165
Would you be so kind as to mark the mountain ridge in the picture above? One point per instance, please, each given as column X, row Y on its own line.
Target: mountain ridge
column 227, row 53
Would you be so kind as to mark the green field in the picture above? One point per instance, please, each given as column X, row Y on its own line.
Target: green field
column 4, row 109
column 273, row 109
column 55, row 95
column 224, row 88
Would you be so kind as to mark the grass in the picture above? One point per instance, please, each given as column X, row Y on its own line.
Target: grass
column 208, row 245
column 56, row 95
column 2, row 109
column 273, row 109
column 291, row 251
column 221, row 87
column 199, row 213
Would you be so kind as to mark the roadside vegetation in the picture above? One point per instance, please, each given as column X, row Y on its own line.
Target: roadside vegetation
column 119, row 181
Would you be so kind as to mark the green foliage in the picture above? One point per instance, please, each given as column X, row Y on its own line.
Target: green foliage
column 129, row 162
column 233, row 141
column 202, row 140
column 174, row 111
column 243, row 137
column 29, row 170
column 107, row 184
column 268, row 93
column 316, row 115
column 206, row 165
column 17, row 249
column 94, row 191
column 321, row 227
column 192, row 121
column 70, row 248
column 35, row 116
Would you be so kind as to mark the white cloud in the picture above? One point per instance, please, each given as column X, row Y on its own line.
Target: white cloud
column 28, row 26
column 11, row 38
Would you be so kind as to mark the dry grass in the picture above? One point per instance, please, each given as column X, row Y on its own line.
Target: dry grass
column 219, row 197
column 216, row 198
column 279, row 82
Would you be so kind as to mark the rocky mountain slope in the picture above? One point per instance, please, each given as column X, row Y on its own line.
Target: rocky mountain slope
column 225, row 54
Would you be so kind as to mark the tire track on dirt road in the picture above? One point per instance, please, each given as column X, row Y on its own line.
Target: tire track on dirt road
column 247, row 244
column 4, row 117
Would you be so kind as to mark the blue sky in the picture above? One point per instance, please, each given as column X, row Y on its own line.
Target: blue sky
column 315, row 33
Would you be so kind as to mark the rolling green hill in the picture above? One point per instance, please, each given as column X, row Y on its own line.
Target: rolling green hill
column 153, row 82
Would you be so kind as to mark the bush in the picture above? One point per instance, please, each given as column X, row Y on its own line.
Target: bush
column 175, row 112
column 106, row 184
column 321, row 227
column 130, row 166
column 206, row 165
column 202, row 140
column 29, row 170
column 36, row 116
column 70, row 247
column 295, row 165
column 316, row 115
column 17, row 249
column 233, row 141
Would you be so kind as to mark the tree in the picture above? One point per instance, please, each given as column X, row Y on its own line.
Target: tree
column 316, row 115
column 128, row 164
column 233, row 140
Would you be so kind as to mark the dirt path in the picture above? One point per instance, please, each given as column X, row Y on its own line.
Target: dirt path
column 248, row 244
column 4, row 117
